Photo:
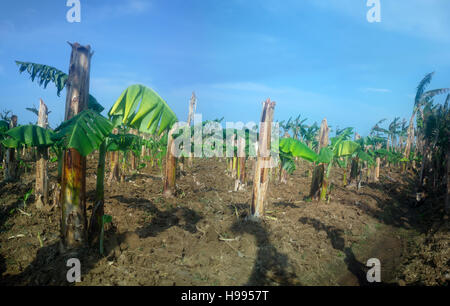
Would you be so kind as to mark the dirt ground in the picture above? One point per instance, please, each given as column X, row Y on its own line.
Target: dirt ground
column 202, row 237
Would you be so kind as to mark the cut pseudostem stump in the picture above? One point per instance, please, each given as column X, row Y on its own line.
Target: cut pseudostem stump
column 41, row 163
column 261, row 174
column 240, row 180
column 192, row 107
column 170, row 172
column 319, row 170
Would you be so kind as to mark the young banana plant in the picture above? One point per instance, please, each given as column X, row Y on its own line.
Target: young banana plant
column 141, row 108
column 340, row 147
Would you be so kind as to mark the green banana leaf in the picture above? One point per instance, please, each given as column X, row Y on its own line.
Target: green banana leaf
column 122, row 142
column 365, row 157
column 341, row 163
column 11, row 143
column 381, row 152
column 346, row 147
column 325, row 156
column 142, row 108
column 94, row 105
column 84, row 132
column 4, row 126
column 287, row 163
column 32, row 135
column 45, row 74
column 297, row 149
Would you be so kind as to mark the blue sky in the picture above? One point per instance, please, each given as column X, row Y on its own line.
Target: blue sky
column 317, row 58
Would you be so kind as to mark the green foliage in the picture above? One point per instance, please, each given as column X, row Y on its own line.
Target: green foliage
column 45, row 74
column 105, row 219
column 94, row 105
column 123, row 142
column 364, row 156
column 4, row 126
column 142, row 108
column 27, row 196
column 32, row 135
column 325, row 156
column 345, row 148
column 297, row 149
column 11, row 143
column 84, row 132
column 287, row 163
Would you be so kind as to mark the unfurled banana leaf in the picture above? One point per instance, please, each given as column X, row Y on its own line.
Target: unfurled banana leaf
column 45, row 74
column 84, row 132
column 297, row 149
column 345, row 148
column 341, row 163
column 325, row 156
column 365, row 157
column 32, row 135
column 287, row 163
column 143, row 109
column 11, row 143
column 94, row 105
column 381, row 152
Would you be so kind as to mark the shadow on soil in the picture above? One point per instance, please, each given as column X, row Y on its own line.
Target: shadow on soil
column 162, row 220
column 397, row 209
column 271, row 267
column 358, row 269
column 49, row 267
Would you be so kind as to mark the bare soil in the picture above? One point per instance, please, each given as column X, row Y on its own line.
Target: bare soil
column 202, row 236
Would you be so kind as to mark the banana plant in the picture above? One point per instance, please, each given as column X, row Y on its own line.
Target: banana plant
column 310, row 135
column 435, row 131
column 297, row 126
column 422, row 97
column 341, row 146
column 4, row 127
column 141, row 108
column 290, row 148
column 156, row 147
column 125, row 143
column 85, row 132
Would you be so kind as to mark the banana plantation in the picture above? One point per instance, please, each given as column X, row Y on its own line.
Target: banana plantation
column 142, row 197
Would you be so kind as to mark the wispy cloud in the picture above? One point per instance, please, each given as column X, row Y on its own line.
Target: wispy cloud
column 381, row 90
